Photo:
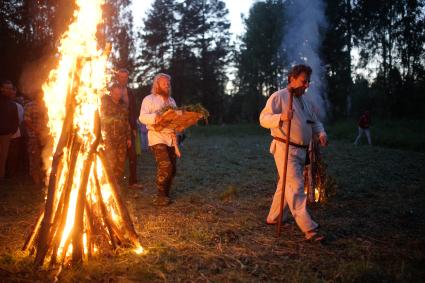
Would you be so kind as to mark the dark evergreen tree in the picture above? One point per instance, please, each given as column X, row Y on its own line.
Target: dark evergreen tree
column 336, row 53
column 118, row 30
column 190, row 41
column 392, row 33
column 157, row 40
column 260, row 60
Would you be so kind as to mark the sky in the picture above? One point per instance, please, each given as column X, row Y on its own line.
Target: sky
column 236, row 8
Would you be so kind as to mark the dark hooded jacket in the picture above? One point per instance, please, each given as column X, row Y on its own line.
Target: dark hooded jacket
column 9, row 120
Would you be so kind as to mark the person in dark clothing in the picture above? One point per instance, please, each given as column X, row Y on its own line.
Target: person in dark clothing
column 128, row 98
column 16, row 154
column 9, row 121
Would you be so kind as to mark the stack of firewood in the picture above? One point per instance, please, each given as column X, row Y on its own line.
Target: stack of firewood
column 92, row 199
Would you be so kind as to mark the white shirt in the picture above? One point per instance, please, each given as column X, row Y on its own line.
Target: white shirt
column 151, row 105
column 301, row 129
column 17, row 134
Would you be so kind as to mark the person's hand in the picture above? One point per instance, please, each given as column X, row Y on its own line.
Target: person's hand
column 286, row 116
column 129, row 143
column 323, row 140
column 134, row 133
column 176, row 146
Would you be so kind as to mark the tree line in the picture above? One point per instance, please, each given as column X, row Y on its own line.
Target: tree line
column 387, row 36
column 30, row 32
column 191, row 41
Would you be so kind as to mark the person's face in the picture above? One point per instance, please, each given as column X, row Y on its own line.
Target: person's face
column 164, row 86
column 122, row 78
column 299, row 84
column 116, row 94
column 8, row 90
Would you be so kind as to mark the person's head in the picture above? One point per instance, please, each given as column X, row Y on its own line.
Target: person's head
column 299, row 79
column 162, row 85
column 7, row 89
column 122, row 77
column 115, row 92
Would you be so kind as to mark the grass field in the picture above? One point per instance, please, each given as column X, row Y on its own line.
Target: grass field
column 215, row 232
column 402, row 134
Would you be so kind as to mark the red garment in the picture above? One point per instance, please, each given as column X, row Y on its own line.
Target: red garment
column 364, row 121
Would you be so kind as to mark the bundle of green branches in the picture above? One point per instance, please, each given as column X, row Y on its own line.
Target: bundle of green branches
column 197, row 108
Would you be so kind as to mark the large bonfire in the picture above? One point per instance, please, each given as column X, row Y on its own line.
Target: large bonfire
column 83, row 211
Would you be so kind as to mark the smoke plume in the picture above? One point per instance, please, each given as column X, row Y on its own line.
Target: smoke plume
column 305, row 23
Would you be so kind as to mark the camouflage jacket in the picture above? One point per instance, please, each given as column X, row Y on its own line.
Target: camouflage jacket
column 114, row 120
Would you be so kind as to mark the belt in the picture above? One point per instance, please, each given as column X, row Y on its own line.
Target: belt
column 291, row 143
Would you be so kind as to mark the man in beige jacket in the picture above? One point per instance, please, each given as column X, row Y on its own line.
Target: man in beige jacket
column 275, row 116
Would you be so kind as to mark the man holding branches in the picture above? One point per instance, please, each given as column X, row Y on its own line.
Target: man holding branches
column 161, row 141
column 287, row 114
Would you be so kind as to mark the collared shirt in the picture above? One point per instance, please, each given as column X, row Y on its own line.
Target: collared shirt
column 304, row 122
column 151, row 105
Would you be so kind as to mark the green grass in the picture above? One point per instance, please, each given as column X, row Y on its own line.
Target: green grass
column 227, row 130
column 214, row 231
column 402, row 134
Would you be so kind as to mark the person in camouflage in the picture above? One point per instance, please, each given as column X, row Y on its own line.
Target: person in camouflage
column 35, row 119
column 129, row 99
column 116, row 131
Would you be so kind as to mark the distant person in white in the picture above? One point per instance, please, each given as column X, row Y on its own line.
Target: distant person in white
column 275, row 116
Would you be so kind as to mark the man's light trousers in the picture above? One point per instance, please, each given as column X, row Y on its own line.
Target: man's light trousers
column 295, row 198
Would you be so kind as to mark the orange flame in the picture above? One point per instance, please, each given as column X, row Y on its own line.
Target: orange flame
column 79, row 42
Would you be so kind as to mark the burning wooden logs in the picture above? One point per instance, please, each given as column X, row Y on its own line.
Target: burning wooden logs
column 83, row 211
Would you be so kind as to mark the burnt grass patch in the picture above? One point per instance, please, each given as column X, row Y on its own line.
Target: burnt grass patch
column 215, row 230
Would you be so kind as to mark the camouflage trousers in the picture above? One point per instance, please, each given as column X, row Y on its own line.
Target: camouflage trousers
column 165, row 158
column 35, row 162
column 116, row 152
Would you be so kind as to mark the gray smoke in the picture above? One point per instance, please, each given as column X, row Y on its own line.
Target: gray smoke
column 305, row 23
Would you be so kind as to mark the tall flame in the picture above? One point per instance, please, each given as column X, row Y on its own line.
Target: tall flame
column 78, row 42
column 79, row 46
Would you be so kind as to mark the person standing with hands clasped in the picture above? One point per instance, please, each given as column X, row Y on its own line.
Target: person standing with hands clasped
column 127, row 97
column 116, row 130
column 275, row 116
